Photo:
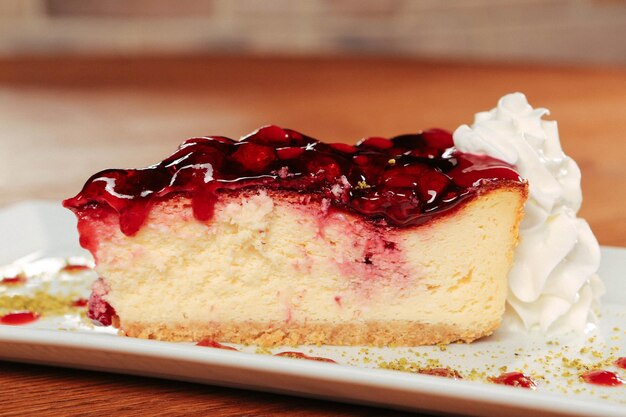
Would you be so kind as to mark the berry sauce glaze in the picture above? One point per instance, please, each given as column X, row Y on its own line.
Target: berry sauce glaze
column 19, row 318
column 515, row 379
column 16, row 280
column 403, row 181
column 602, row 377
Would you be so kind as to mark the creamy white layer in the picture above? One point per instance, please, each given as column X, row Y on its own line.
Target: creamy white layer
column 553, row 282
column 264, row 258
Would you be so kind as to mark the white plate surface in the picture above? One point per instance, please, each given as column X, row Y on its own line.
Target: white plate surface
column 37, row 238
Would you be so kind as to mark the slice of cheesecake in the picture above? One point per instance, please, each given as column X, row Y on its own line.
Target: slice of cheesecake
column 281, row 239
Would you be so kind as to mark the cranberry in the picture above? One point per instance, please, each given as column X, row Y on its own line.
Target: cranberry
column 403, row 177
column 344, row 148
column 369, row 167
column 270, row 136
column 362, row 160
column 325, row 166
column 431, row 184
column 289, row 153
column 253, row 157
column 438, row 139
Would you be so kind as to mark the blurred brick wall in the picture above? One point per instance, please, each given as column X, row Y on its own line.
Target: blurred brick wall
column 537, row 30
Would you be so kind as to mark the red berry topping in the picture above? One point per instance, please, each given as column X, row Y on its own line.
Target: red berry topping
column 438, row 138
column 343, row 148
column 252, row 157
column 289, row 153
column 80, row 302
column 602, row 377
column 403, row 181
column 324, row 166
column 515, row 379
column 15, row 280
column 18, row 318
column 270, row 136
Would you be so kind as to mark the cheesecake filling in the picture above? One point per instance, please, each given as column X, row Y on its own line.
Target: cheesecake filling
column 553, row 284
column 282, row 268
column 324, row 243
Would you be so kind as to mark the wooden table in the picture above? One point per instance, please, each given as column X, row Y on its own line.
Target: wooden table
column 63, row 119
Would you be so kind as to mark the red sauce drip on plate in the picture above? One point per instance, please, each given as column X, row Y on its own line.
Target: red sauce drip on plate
column 16, row 280
column 213, row 344
column 299, row 355
column 602, row 377
column 621, row 362
column 444, row 372
column 515, row 379
column 80, row 302
column 19, row 318
column 74, row 268
column 403, row 181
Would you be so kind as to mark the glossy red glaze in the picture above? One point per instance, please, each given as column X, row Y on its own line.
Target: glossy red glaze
column 81, row 302
column 621, row 362
column 212, row 343
column 602, row 377
column 444, row 372
column 300, row 355
column 515, row 379
column 19, row 318
column 74, row 268
column 16, row 280
column 403, row 181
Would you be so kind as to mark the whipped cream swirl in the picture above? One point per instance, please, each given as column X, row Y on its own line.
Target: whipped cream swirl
column 553, row 283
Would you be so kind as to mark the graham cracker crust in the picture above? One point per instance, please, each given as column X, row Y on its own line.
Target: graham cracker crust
column 373, row 333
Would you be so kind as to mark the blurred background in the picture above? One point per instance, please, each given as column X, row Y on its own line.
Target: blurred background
column 87, row 85
column 577, row 31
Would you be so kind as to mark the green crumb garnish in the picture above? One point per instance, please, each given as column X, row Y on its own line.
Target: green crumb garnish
column 362, row 185
column 40, row 302
column 404, row 365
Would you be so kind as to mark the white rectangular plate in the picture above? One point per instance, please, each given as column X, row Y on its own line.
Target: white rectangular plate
column 37, row 238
